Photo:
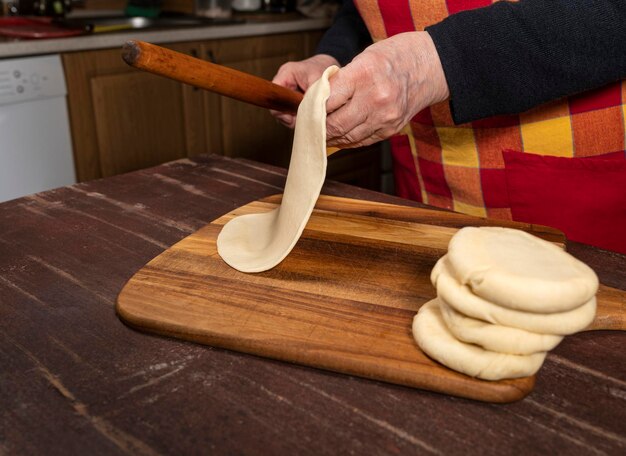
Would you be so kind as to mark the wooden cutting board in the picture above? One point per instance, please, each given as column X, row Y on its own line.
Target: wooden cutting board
column 343, row 300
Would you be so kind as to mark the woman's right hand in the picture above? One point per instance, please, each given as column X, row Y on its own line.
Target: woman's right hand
column 300, row 76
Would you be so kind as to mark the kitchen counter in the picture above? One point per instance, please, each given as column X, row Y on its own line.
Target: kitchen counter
column 75, row 380
column 23, row 48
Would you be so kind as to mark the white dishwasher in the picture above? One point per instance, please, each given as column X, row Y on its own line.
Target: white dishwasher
column 35, row 142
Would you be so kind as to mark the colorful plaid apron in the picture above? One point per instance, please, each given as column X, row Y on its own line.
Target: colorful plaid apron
column 461, row 167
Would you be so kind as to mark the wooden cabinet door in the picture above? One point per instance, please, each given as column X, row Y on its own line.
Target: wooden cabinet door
column 237, row 129
column 123, row 119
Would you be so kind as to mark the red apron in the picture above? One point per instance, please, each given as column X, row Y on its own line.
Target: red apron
column 566, row 173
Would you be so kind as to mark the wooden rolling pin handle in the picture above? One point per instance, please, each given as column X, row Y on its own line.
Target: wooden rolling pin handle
column 210, row 76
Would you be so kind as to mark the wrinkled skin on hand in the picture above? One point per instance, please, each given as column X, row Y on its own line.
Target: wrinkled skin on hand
column 299, row 76
column 374, row 96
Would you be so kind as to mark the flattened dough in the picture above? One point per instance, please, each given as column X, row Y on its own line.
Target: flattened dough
column 497, row 338
column 434, row 338
column 520, row 271
column 461, row 298
column 258, row 242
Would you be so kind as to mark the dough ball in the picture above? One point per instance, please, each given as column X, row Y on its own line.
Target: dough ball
column 461, row 298
column 434, row 338
column 517, row 270
column 497, row 338
column 440, row 266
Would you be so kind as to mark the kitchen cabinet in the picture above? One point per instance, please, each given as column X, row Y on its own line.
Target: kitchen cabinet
column 240, row 129
column 123, row 119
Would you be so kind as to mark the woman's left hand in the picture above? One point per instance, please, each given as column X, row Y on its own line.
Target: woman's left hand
column 376, row 95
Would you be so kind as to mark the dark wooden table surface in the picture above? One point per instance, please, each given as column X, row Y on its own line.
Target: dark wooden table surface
column 74, row 380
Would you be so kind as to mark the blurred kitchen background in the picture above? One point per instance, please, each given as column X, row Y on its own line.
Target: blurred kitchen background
column 71, row 110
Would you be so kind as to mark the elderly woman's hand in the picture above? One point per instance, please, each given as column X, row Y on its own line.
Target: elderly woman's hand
column 299, row 76
column 377, row 94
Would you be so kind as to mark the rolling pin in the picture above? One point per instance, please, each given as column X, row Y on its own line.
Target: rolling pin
column 210, row 76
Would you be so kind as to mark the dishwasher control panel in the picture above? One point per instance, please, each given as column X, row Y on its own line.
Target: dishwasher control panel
column 32, row 78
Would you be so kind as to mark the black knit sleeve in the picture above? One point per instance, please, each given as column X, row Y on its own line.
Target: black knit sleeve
column 347, row 37
column 509, row 57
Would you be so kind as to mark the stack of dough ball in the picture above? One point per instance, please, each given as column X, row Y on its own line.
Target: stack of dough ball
column 504, row 298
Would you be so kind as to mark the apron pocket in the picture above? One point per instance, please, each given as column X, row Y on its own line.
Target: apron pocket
column 585, row 197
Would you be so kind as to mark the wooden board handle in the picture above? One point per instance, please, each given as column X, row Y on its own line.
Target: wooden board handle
column 210, row 76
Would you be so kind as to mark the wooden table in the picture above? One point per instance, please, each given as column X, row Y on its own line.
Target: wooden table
column 74, row 380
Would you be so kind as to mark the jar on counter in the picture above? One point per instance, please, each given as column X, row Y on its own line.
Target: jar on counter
column 213, row 8
column 246, row 5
